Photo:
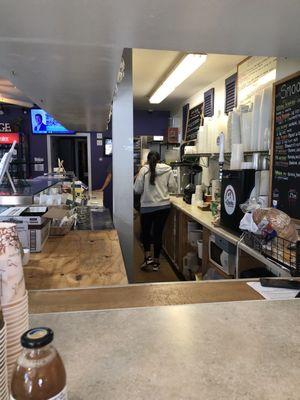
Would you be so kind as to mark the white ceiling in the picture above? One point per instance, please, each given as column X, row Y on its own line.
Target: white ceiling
column 10, row 94
column 151, row 66
column 65, row 54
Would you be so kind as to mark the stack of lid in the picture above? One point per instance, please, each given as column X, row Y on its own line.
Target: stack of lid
column 3, row 370
column 14, row 298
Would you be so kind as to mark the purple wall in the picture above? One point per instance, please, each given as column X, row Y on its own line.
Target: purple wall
column 145, row 123
column 153, row 123
column 36, row 144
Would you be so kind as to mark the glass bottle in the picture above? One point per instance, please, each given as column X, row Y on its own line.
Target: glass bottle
column 39, row 373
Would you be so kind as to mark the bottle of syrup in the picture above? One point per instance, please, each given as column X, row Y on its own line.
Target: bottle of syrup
column 40, row 372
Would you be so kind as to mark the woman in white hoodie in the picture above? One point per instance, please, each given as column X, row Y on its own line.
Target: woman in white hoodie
column 154, row 183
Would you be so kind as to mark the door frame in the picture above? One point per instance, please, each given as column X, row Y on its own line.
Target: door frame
column 86, row 135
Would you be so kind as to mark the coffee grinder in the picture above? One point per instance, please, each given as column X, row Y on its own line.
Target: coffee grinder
column 190, row 189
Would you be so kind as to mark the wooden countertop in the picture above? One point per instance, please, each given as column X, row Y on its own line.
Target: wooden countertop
column 204, row 218
column 140, row 295
column 79, row 259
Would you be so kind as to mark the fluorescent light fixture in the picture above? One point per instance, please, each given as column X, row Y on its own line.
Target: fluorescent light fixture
column 186, row 67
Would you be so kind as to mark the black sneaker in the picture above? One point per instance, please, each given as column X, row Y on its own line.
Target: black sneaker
column 155, row 266
column 147, row 264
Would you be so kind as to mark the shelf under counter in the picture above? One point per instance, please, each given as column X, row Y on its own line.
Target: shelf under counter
column 205, row 219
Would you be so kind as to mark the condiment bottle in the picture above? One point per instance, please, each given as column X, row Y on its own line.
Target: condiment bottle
column 39, row 373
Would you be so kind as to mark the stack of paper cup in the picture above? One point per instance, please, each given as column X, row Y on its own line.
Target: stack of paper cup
column 14, row 300
column 16, row 318
column 3, row 366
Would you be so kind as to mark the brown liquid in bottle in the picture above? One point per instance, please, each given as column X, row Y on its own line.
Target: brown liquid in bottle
column 39, row 375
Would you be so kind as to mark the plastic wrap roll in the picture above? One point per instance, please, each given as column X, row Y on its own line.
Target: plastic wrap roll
column 255, row 122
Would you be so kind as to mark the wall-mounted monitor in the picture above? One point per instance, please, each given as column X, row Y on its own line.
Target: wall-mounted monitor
column 107, row 147
column 43, row 123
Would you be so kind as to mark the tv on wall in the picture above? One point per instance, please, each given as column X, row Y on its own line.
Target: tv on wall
column 44, row 123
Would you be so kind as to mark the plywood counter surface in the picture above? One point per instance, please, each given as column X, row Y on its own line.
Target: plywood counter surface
column 79, row 259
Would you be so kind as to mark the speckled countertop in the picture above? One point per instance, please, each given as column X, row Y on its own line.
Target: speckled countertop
column 237, row 351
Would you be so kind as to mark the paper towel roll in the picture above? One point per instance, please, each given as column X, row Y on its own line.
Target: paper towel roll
column 264, row 183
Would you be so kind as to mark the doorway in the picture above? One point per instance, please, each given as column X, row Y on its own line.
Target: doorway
column 74, row 152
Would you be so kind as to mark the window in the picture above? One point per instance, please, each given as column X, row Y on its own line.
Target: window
column 230, row 93
column 209, row 101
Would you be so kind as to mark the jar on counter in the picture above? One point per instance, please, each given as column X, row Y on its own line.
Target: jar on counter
column 40, row 372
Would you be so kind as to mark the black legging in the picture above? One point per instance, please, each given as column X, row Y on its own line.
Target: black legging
column 153, row 224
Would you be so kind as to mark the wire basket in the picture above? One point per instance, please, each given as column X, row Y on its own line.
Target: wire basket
column 279, row 250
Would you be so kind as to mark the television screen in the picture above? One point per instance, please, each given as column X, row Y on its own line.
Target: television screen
column 44, row 123
column 107, row 147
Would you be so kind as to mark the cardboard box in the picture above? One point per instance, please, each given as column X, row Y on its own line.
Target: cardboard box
column 32, row 226
column 31, row 215
column 38, row 236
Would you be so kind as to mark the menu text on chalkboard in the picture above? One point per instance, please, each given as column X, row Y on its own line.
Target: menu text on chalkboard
column 195, row 120
column 286, row 146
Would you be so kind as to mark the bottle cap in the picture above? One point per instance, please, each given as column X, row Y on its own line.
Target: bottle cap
column 37, row 337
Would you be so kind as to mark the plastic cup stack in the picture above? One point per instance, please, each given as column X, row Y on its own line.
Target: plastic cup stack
column 14, row 297
column 4, row 393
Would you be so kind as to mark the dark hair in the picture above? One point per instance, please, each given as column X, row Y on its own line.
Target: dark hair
column 153, row 158
column 39, row 115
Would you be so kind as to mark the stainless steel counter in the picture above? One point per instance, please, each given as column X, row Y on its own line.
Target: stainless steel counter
column 220, row 351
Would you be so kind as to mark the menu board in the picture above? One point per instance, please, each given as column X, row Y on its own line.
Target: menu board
column 194, row 121
column 286, row 146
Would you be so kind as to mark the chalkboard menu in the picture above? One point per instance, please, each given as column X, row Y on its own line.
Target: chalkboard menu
column 286, row 146
column 194, row 121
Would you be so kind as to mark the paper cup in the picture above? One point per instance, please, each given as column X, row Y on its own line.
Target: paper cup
column 11, row 268
column 16, row 302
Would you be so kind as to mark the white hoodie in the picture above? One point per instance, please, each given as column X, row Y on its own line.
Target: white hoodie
column 156, row 195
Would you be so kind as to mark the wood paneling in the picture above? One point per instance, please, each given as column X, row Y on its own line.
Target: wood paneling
column 147, row 295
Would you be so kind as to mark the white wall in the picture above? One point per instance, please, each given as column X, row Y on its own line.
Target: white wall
column 286, row 67
column 198, row 98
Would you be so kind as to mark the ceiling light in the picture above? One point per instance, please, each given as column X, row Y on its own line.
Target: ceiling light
column 186, row 67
